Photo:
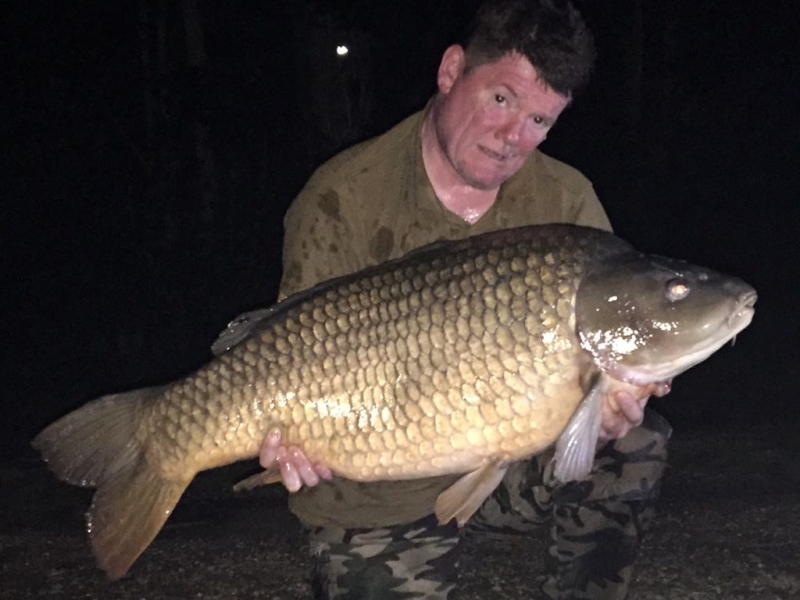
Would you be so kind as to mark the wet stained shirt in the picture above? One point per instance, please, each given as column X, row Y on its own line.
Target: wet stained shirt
column 373, row 203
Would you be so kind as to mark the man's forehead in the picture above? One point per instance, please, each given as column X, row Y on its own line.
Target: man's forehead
column 511, row 65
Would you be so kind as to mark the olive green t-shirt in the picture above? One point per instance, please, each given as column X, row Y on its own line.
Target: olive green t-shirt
column 374, row 202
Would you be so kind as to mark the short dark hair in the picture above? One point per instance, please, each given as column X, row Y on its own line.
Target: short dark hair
column 551, row 34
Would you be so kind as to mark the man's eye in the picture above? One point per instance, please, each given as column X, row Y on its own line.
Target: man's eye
column 541, row 122
column 499, row 98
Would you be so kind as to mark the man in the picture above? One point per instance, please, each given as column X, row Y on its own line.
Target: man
column 468, row 164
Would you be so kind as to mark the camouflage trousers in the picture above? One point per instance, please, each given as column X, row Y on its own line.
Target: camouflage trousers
column 596, row 528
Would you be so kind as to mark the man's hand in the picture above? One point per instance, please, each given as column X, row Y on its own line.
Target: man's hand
column 624, row 409
column 296, row 469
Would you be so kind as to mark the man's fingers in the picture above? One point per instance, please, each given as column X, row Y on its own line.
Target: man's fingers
column 662, row 388
column 296, row 470
column 289, row 474
column 631, row 408
column 269, row 449
column 624, row 409
column 323, row 471
column 304, row 469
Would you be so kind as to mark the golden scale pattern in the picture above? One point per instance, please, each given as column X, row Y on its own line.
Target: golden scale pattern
column 408, row 372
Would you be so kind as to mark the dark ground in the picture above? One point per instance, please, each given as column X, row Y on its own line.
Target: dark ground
column 728, row 528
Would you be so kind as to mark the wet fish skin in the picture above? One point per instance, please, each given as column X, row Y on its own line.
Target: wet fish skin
column 457, row 358
column 326, row 371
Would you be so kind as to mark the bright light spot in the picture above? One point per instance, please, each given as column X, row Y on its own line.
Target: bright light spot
column 342, row 50
column 663, row 325
column 555, row 342
column 619, row 342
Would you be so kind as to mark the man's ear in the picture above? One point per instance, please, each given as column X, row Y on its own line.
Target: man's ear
column 450, row 68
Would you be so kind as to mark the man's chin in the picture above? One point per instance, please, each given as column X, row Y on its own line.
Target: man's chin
column 485, row 182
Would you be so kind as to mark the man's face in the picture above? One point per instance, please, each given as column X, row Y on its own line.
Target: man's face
column 490, row 118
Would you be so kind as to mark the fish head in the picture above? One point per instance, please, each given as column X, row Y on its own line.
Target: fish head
column 646, row 318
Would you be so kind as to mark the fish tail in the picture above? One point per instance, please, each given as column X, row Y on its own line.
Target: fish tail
column 97, row 446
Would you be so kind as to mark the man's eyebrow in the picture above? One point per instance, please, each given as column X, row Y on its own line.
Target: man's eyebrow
column 510, row 89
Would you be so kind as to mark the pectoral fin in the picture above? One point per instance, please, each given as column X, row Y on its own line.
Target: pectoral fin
column 577, row 444
column 465, row 496
column 266, row 477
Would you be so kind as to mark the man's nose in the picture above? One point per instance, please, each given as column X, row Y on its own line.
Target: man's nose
column 511, row 131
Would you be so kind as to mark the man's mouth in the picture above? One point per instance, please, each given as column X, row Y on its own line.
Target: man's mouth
column 498, row 156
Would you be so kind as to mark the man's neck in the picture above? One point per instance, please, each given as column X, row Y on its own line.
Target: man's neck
column 458, row 197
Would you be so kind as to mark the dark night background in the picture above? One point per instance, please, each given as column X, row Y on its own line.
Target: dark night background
column 151, row 148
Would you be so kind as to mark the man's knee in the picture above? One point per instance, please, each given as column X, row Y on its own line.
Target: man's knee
column 595, row 548
column 418, row 560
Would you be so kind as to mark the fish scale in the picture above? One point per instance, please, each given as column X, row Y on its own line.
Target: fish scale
column 402, row 320
column 457, row 358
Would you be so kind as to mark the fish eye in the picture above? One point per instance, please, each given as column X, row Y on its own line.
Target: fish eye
column 677, row 289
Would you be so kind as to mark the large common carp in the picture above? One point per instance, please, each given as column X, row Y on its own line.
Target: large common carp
column 457, row 358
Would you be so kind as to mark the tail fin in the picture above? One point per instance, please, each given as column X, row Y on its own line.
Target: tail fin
column 97, row 446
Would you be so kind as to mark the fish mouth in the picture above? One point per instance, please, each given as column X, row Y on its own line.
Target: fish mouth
column 743, row 313
column 740, row 316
